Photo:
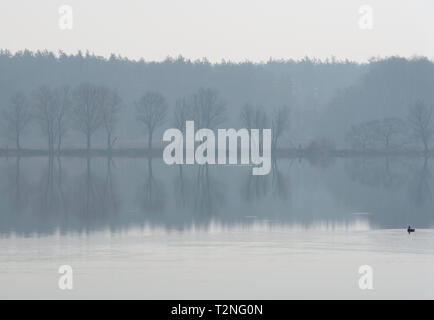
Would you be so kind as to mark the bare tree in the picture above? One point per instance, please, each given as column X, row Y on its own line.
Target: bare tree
column 151, row 109
column 279, row 124
column 16, row 117
column 360, row 136
column 377, row 134
column 388, row 131
column 253, row 117
column 45, row 114
column 110, row 103
column 207, row 108
column 87, row 112
column 420, row 119
column 63, row 109
column 183, row 112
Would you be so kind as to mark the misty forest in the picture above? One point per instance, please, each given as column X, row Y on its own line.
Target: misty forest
column 363, row 129
column 54, row 102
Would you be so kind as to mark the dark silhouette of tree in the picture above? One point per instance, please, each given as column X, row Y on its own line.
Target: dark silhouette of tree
column 151, row 110
column 377, row 134
column 87, row 111
column 45, row 114
column 207, row 108
column 183, row 112
column 63, row 111
column 420, row 119
column 360, row 136
column 110, row 106
column 389, row 130
column 253, row 117
column 279, row 124
column 16, row 117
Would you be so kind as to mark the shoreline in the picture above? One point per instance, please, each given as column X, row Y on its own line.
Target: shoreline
column 280, row 153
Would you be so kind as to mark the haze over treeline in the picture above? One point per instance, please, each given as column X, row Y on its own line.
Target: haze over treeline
column 327, row 100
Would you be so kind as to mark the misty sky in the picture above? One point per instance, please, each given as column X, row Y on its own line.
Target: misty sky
column 225, row 29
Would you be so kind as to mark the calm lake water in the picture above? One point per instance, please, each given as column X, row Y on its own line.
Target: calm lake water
column 137, row 228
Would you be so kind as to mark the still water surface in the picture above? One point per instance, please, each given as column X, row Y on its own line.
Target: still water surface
column 137, row 228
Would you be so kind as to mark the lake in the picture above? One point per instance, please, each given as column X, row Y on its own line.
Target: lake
column 138, row 228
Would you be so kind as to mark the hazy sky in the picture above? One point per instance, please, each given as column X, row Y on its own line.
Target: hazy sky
column 222, row 29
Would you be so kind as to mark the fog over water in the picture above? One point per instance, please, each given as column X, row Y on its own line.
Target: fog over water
column 77, row 195
column 84, row 183
column 159, row 231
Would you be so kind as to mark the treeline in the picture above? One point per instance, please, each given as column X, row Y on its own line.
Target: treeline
column 89, row 108
column 390, row 89
column 305, row 85
column 85, row 108
column 394, row 133
column 362, row 106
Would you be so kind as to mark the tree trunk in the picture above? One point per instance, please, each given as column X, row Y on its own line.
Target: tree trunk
column 59, row 144
column 18, row 142
column 149, row 142
column 274, row 144
column 88, row 142
column 109, row 142
column 50, row 138
column 425, row 144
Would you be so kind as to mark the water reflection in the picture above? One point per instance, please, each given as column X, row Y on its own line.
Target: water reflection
column 43, row 196
column 152, row 194
column 420, row 186
column 397, row 190
column 209, row 195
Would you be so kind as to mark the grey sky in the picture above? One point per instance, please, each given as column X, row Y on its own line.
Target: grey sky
column 225, row 29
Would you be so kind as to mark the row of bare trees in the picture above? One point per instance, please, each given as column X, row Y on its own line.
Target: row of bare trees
column 204, row 107
column 393, row 133
column 256, row 117
column 207, row 110
column 88, row 108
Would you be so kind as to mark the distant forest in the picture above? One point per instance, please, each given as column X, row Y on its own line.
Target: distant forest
column 60, row 101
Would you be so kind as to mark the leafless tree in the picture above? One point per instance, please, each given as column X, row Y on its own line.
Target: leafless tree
column 420, row 120
column 253, row 117
column 183, row 112
column 207, row 108
column 87, row 112
column 110, row 103
column 16, row 117
column 63, row 109
column 361, row 136
column 151, row 109
column 45, row 114
column 377, row 134
column 51, row 110
column 279, row 124
column 388, row 131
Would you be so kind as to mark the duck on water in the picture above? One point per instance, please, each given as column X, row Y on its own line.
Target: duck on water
column 410, row 229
